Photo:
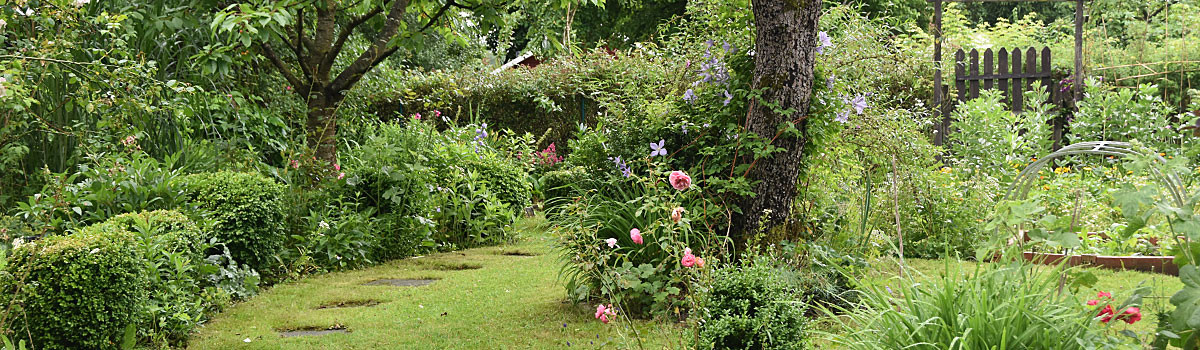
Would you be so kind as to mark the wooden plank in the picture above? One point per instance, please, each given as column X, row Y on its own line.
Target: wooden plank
column 939, row 131
column 974, row 74
column 959, row 74
column 1048, row 81
column 1003, row 73
column 1017, row 96
column 1079, row 50
column 987, row 69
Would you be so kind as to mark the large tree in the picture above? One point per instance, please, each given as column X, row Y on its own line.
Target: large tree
column 303, row 39
column 785, row 51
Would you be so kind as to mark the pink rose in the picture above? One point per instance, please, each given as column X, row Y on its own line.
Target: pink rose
column 636, row 236
column 677, row 214
column 688, row 260
column 680, row 180
column 700, row 262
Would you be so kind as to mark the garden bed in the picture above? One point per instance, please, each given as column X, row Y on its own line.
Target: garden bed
column 1160, row 264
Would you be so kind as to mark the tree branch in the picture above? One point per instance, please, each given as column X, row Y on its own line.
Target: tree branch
column 283, row 68
column 376, row 52
column 436, row 16
column 344, row 35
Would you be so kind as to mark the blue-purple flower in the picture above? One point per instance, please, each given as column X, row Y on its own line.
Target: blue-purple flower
column 859, row 103
column 689, row 96
column 842, row 117
column 824, row 40
column 658, row 149
column 728, row 97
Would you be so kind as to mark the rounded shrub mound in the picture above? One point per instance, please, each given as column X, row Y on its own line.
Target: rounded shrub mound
column 748, row 307
column 80, row 291
column 182, row 234
column 246, row 211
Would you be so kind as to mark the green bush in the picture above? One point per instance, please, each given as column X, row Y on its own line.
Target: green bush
column 80, row 291
column 749, row 307
column 246, row 213
column 172, row 251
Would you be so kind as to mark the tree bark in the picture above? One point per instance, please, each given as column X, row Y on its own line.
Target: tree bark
column 785, row 53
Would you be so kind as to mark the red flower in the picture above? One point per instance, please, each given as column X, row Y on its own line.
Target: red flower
column 1093, row 302
column 1107, row 310
column 1131, row 315
column 1104, row 294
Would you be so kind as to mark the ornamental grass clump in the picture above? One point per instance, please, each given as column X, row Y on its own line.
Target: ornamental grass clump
column 1012, row 306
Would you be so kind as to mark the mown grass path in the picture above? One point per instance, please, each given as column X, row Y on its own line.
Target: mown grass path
column 498, row 301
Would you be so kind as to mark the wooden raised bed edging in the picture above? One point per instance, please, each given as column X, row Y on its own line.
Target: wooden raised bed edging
column 1159, row 264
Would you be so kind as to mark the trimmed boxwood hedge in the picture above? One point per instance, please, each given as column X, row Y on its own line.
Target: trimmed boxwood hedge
column 247, row 213
column 81, row 290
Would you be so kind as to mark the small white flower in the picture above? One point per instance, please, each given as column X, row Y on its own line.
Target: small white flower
column 94, row 251
column 3, row 23
column 612, row 242
column 17, row 243
column 323, row 225
column 247, row 340
column 80, row 3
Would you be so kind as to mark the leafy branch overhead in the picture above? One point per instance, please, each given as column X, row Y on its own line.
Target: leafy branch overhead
column 304, row 40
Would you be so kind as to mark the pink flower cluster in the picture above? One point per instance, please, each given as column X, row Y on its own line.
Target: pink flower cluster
column 1107, row 313
column 548, row 156
column 603, row 312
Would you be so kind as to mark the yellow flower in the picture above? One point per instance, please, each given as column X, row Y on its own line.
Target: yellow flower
column 1088, row 168
column 946, row 170
column 1161, row 154
column 1062, row 170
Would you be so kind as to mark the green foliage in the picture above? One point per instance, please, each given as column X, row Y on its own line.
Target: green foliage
column 749, row 307
column 1109, row 114
column 79, row 291
column 450, row 189
column 1001, row 305
column 988, row 137
column 246, row 212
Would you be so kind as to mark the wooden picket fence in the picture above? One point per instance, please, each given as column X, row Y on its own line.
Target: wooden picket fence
column 1012, row 73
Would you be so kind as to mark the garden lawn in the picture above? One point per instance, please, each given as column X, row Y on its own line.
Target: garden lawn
column 510, row 301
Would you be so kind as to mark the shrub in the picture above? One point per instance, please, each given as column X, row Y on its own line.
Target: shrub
column 749, row 307
column 435, row 188
column 172, row 251
column 246, row 212
column 80, row 291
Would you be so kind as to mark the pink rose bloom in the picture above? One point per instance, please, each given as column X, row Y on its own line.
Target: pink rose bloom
column 337, row 167
column 612, row 242
column 417, row 117
column 680, row 180
column 604, row 312
column 295, row 164
column 636, row 236
column 1103, row 294
column 1093, row 302
column 700, row 262
column 688, row 260
column 1132, row 315
column 677, row 214
column 341, row 175
column 601, row 310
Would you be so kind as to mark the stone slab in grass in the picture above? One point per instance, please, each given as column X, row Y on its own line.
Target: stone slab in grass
column 400, row 282
column 313, row 331
column 341, row 304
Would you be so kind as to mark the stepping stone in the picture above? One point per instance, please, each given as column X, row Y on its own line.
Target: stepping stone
column 349, row 304
column 306, row 331
column 399, row 282
column 290, row 334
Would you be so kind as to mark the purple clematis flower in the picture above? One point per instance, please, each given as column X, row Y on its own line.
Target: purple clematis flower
column 859, row 103
column 824, row 40
column 728, row 97
column 689, row 96
column 843, row 117
column 657, row 149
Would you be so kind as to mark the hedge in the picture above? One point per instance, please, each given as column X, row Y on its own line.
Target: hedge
column 247, row 213
column 81, row 290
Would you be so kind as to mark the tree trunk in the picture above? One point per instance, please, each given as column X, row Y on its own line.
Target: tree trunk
column 785, row 52
column 322, row 126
